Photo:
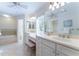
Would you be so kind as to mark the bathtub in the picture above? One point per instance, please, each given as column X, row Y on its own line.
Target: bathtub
column 8, row 39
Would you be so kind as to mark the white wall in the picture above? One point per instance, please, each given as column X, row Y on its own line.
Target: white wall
column 8, row 23
column 71, row 12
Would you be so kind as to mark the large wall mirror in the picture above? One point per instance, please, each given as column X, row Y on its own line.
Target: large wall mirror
column 50, row 23
column 30, row 26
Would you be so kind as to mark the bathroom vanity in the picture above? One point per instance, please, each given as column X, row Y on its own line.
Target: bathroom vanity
column 56, row 46
column 66, row 26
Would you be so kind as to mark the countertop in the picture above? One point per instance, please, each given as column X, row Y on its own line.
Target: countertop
column 72, row 43
column 33, row 36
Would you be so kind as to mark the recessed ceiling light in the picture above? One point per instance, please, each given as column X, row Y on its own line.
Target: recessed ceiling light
column 5, row 15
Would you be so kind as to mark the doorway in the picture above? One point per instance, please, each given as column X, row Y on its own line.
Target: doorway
column 20, row 31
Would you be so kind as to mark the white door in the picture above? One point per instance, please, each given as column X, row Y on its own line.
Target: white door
column 20, row 31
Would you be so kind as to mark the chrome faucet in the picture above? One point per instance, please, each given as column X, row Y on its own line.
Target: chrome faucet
column 70, row 32
column 66, row 35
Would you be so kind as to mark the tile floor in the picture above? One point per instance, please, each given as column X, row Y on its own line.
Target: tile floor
column 16, row 49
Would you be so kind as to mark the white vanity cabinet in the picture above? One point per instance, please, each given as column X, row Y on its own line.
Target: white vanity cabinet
column 47, row 51
column 66, row 51
column 38, row 46
column 45, row 47
column 48, row 47
column 58, row 53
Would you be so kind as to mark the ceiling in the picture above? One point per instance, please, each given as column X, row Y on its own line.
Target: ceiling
column 28, row 8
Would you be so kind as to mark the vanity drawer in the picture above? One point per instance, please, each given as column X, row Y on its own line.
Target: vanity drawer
column 38, row 46
column 58, row 53
column 47, row 51
column 68, row 51
column 48, row 43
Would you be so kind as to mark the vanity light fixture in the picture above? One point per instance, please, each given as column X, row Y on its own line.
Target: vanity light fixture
column 50, row 6
column 56, row 5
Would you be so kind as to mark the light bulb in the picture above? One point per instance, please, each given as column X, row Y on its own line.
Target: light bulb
column 50, row 7
column 53, row 8
column 55, row 4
